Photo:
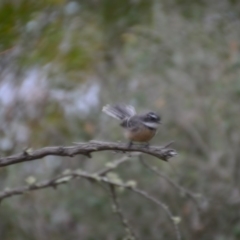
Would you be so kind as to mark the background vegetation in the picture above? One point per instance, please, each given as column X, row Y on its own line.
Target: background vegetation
column 61, row 61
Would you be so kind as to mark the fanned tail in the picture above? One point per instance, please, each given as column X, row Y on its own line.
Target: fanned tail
column 119, row 111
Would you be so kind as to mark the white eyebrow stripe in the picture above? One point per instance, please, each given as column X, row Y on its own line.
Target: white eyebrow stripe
column 153, row 115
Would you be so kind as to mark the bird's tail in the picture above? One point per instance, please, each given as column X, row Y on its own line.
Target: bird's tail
column 119, row 111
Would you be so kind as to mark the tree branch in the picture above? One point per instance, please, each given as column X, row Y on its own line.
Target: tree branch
column 66, row 177
column 117, row 209
column 161, row 152
column 193, row 196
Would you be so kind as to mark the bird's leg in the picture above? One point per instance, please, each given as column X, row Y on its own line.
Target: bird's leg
column 146, row 145
column 129, row 144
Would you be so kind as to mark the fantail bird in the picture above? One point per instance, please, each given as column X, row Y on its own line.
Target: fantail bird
column 137, row 127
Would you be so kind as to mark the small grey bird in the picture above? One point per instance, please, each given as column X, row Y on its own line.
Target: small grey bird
column 137, row 127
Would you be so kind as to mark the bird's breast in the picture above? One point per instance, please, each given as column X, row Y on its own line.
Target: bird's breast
column 140, row 135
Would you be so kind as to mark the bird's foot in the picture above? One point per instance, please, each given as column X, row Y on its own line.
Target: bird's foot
column 146, row 145
column 129, row 145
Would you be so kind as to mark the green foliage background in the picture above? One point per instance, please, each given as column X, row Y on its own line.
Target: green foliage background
column 61, row 61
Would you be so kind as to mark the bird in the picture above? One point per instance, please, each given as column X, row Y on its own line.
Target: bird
column 139, row 128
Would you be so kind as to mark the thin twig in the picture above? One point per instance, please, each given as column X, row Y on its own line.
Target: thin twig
column 7, row 50
column 65, row 178
column 117, row 209
column 112, row 165
column 191, row 195
column 163, row 206
column 168, row 144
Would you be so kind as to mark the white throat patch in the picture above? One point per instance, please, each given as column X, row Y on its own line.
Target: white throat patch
column 151, row 124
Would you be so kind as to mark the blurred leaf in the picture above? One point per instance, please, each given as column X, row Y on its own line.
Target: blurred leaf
column 176, row 219
column 114, row 177
column 131, row 183
column 64, row 179
column 31, row 180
